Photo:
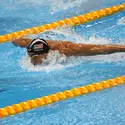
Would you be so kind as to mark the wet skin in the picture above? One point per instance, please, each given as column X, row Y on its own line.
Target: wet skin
column 69, row 49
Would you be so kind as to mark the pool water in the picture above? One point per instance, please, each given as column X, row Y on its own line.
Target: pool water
column 21, row 81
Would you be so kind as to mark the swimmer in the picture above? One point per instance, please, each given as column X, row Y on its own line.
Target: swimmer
column 38, row 48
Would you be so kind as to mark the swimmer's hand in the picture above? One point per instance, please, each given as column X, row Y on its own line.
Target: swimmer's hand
column 21, row 41
column 16, row 40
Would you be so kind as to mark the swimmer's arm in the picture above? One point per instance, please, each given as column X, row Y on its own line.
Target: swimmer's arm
column 101, row 49
column 74, row 49
column 21, row 42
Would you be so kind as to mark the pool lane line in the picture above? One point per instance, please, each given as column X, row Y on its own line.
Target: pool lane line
column 59, row 96
column 76, row 20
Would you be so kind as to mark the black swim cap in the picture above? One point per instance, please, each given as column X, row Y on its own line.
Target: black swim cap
column 38, row 46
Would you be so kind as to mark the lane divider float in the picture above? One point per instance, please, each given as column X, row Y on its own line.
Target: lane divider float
column 37, row 102
column 77, row 20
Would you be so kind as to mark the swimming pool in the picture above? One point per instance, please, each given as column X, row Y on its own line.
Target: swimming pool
column 20, row 81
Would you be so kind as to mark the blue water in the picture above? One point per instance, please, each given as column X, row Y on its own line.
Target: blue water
column 20, row 83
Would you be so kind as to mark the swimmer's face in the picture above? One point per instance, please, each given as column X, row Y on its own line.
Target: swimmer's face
column 38, row 59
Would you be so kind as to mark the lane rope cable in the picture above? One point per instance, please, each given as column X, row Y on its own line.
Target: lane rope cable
column 59, row 96
column 76, row 20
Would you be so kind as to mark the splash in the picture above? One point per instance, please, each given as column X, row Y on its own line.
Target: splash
column 57, row 61
column 54, row 61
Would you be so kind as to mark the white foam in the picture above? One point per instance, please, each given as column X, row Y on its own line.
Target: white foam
column 121, row 21
column 54, row 61
column 57, row 61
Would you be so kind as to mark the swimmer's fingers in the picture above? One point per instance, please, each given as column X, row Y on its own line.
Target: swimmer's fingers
column 13, row 39
column 24, row 36
column 20, row 37
column 16, row 41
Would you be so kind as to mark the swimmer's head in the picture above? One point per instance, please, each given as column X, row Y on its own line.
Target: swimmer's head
column 37, row 50
column 37, row 46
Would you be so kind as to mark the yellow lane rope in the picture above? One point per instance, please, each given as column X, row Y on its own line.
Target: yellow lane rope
column 37, row 102
column 72, row 21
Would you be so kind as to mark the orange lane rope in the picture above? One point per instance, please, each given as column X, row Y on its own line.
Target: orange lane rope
column 77, row 20
column 37, row 102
